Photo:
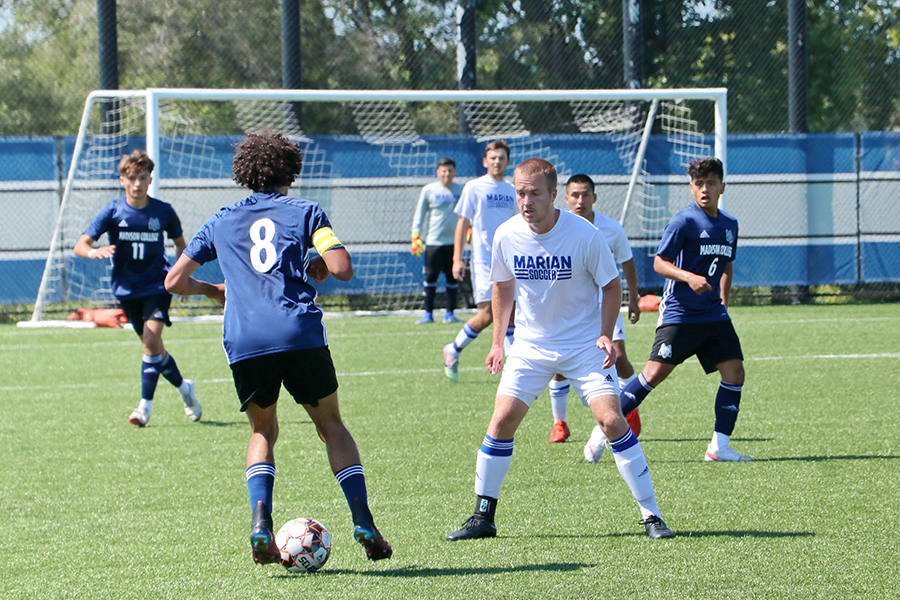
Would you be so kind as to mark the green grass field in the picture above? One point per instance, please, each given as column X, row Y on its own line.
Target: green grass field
column 97, row 508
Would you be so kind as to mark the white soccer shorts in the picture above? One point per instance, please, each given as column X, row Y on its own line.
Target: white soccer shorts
column 619, row 332
column 481, row 281
column 529, row 368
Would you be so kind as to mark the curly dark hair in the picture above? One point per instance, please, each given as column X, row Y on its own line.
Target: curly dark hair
column 134, row 163
column 266, row 161
column 703, row 167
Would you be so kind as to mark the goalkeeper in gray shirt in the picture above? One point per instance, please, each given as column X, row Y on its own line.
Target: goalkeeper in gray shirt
column 435, row 217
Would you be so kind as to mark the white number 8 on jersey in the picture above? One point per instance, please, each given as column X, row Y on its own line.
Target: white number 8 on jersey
column 262, row 232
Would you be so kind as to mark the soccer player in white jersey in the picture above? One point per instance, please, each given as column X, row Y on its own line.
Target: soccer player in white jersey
column 580, row 198
column 134, row 224
column 434, row 218
column 554, row 265
column 273, row 332
column 696, row 257
column 485, row 203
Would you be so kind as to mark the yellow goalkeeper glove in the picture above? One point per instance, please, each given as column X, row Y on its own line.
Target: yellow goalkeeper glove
column 418, row 246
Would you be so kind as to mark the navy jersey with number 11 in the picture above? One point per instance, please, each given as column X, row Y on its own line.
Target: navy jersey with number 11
column 262, row 244
column 139, row 263
column 703, row 245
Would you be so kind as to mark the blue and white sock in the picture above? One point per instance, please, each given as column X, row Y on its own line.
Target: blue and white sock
column 634, row 393
column 728, row 405
column 260, row 483
column 150, row 375
column 559, row 391
column 465, row 337
column 632, row 465
column 492, row 465
column 169, row 370
column 353, row 484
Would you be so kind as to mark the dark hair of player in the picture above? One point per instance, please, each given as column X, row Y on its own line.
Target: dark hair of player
column 498, row 145
column 134, row 163
column 533, row 167
column 581, row 178
column 266, row 161
column 702, row 167
column 446, row 162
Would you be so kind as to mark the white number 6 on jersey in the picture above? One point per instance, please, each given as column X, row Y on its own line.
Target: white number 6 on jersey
column 712, row 266
column 262, row 233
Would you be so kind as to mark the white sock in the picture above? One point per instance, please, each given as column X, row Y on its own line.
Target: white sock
column 719, row 440
column 491, row 469
column 632, row 465
column 559, row 391
column 146, row 406
column 465, row 337
column 184, row 388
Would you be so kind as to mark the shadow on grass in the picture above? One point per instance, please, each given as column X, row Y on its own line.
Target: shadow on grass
column 680, row 533
column 826, row 458
column 416, row 571
column 705, row 439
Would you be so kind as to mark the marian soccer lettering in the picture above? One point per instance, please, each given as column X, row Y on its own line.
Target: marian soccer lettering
column 545, row 268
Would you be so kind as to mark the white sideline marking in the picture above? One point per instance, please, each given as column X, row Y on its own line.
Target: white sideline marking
column 106, row 384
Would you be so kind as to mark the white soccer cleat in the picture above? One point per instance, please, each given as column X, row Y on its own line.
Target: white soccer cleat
column 593, row 450
column 451, row 363
column 724, row 454
column 192, row 408
column 139, row 417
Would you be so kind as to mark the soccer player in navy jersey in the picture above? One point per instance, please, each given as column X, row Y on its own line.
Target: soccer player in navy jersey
column 273, row 332
column 695, row 256
column 134, row 224
column 553, row 266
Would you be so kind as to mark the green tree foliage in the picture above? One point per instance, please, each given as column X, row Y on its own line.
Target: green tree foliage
column 48, row 54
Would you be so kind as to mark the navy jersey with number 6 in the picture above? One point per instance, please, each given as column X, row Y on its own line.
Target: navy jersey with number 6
column 139, row 263
column 703, row 245
column 262, row 244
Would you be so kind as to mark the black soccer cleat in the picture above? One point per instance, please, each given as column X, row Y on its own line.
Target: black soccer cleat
column 262, row 540
column 371, row 539
column 475, row 527
column 656, row 528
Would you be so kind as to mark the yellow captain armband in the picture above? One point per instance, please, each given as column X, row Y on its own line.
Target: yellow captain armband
column 324, row 238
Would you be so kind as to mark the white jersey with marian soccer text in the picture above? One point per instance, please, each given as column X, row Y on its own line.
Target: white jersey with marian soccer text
column 487, row 203
column 558, row 278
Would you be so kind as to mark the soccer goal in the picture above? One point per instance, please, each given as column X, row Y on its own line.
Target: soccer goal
column 366, row 155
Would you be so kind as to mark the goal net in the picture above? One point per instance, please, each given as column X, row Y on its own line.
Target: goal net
column 366, row 154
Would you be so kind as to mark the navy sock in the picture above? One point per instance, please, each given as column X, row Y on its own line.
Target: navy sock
column 634, row 393
column 728, row 404
column 353, row 483
column 430, row 293
column 149, row 375
column 260, row 482
column 169, row 370
column 452, row 291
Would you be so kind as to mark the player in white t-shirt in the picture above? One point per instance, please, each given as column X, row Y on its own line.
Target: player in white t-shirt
column 580, row 198
column 553, row 266
column 485, row 203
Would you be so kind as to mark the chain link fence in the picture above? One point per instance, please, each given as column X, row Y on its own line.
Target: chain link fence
column 48, row 52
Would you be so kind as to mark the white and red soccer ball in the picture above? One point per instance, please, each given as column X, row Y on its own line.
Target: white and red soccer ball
column 304, row 544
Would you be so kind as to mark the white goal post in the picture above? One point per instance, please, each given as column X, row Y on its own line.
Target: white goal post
column 366, row 155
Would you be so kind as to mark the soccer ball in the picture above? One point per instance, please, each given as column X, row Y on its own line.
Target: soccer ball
column 304, row 544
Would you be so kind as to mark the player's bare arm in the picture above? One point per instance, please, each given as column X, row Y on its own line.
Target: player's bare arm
column 727, row 277
column 84, row 248
column 339, row 263
column 609, row 313
column 502, row 300
column 179, row 281
column 634, row 295
column 667, row 269
column 459, row 244
column 180, row 245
